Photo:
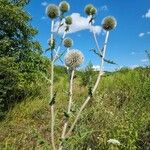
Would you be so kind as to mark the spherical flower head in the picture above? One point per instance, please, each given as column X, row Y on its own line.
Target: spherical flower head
column 90, row 9
column 113, row 141
column 68, row 20
column 64, row 6
column 73, row 59
column 68, row 42
column 109, row 23
column 52, row 11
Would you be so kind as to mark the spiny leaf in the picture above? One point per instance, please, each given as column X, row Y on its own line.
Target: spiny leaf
column 106, row 60
column 52, row 102
column 66, row 114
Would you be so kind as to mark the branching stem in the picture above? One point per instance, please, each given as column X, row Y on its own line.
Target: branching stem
column 94, row 89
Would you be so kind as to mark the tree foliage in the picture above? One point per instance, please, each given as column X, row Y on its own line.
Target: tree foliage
column 23, row 70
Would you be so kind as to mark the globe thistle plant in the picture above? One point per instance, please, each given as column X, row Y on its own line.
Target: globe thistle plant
column 73, row 59
column 90, row 9
column 64, row 6
column 68, row 42
column 68, row 20
column 52, row 11
column 109, row 23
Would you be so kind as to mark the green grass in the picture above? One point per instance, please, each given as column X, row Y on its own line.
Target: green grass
column 119, row 110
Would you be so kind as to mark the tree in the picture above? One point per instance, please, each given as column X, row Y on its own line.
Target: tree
column 23, row 70
column 16, row 34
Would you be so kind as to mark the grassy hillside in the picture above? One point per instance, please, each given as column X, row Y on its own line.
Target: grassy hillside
column 119, row 110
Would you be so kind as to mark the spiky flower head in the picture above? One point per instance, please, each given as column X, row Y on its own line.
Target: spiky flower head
column 68, row 42
column 68, row 20
column 73, row 59
column 109, row 23
column 52, row 43
column 90, row 9
column 52, row 11
column 64, row 6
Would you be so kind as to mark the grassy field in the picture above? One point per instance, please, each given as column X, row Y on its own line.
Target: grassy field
column 119, row 110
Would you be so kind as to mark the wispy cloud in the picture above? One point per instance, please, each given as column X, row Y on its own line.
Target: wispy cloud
column 143, row 34
column 45, row 3
column 144, row 60
column 79, row 23
column 104, row 8
column 147, row 15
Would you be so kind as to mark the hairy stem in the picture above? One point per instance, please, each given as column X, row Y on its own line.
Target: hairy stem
column 68, row 111
column 94, row 89
column 58, row 48
column 51, row 94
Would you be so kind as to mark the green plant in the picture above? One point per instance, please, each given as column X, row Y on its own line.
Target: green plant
column 73, row 59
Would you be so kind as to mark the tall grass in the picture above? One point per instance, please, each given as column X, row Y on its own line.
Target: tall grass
column 118, row 110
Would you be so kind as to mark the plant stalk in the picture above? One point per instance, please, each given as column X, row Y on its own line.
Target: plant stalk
column 52, row 94
column 94, row 89
column 68, row 111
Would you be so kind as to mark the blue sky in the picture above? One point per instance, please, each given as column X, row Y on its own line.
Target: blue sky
column 127, row 43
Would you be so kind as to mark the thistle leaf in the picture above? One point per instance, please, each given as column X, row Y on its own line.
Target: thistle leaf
column 52, row 102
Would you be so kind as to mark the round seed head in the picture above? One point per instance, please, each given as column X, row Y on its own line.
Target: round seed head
column 68, row 42
column 90, row 9
column 68, row 20
column 52, row 11
column 52, row 43
column 109, row 23
column 64, row 6
column 73, row 59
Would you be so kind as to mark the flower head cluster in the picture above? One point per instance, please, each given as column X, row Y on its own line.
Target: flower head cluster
column 64, row 6
column 52, row 11
column 73, row 59
column 109, row 23
column 113, row 141
column 68, row 42
column 90, row 9
column 68, row 20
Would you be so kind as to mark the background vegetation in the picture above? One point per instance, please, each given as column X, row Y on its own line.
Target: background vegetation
column 119, row 109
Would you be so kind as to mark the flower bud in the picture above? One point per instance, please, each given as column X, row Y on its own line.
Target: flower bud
column 109, row 23
column 64, row 6
column 90, row 9
column 68, row 20
column 68, row 42
column 52, row 11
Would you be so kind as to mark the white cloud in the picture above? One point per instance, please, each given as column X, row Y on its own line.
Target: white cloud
column 147, row 15
column 44, row 3
column 79, row 23
column 141, row 34
column 96, row 68
column 144, row 60
column 148, row 33
column 133, row 66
